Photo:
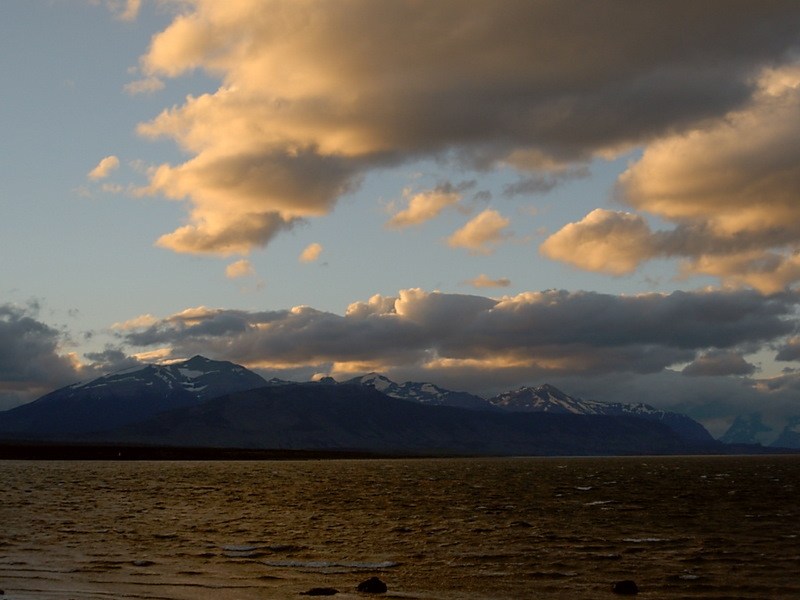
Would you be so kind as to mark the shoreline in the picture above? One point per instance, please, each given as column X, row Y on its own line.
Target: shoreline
column 41, row 450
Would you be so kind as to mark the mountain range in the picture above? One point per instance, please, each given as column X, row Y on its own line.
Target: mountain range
column 542, row 399
column 206, row 403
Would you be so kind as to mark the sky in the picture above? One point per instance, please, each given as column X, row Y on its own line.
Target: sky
column 599, row 196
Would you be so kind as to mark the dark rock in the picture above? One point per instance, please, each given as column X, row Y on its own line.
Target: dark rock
column 373, row 585
column 626, row 587
column 320, row 591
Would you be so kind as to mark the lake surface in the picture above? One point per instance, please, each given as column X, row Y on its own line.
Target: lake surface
column 681, row 527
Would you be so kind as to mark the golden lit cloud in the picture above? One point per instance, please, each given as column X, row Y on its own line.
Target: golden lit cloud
column 481, row 233
column 604, row 240
column 484, row 281
column 730, row 188
column 423, row 207
column 311, row 253
column 137, row 322
column 240, row 268
column 104, row 168
column 308, row 106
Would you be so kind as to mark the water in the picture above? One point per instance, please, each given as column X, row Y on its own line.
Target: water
column 681, row 527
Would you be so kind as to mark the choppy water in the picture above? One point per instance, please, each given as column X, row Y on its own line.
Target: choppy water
column 699, row 527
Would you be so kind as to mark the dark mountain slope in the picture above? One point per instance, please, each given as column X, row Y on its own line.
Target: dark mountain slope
column 341, row 416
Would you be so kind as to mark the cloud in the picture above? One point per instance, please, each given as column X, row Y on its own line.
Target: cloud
column 600, row 346
column 131, row 10
column 138, row 322
column 104, row 168
column 148, row 85
column 307, row 107
column 512, row 339
column 311, row 253
column 719, row 363
column 240, row 268
column 609, row 241
column 123, row 10
column 111, row 359
column 542, row 183
column 484, row 281
column 425, row 206
column 32, row 361
column 728, row 186
column 231, row 214
column 789, row 351
column 481, row 233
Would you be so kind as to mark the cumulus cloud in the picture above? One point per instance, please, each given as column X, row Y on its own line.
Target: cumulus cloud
column 425, row 206
column 307, row 107
column 311, row 253
column 104, row 168
column 240, row 268
column 516, row 338
column 613, row 242
column 481, row 233
column 484, row 281
column 730, row 188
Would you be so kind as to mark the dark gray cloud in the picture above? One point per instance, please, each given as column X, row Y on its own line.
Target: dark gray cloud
column 719, row 363
column 531, row 335
column 790, row 351
column 31, row 359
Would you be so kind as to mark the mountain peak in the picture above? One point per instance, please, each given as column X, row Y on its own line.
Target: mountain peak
column 198, row 359
column 375, row 380
column 129, row 395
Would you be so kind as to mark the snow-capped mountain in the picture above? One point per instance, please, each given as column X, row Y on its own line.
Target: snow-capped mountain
column 182, row 392
column 421, row 393
column 128, row 396
column 547, row 398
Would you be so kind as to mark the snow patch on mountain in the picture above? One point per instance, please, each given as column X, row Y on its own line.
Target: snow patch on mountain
column 421, row 393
